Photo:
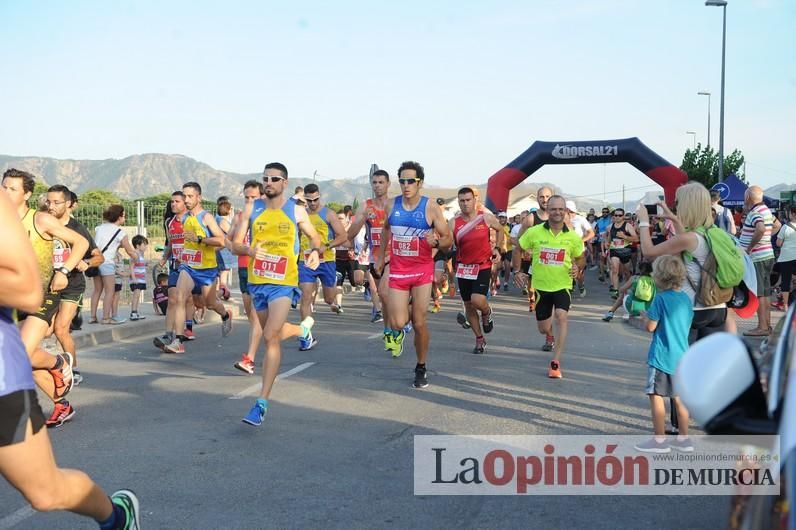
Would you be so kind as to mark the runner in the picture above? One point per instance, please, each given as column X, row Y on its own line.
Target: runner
column 252, row 191
column 471, row 233
column 583, row 228
column 175, row 242
column 332, row 234
column 372, row 216
column 507, row 252
column 59, row 201
column 345, row 263
column 616, row 240
column 42, row 228
column 601, row 226
column 26, row 454
column 198, row 265
column 274, row 225
column 413, row 227
column 557, row 259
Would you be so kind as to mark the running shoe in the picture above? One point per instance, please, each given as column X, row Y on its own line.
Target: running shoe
column 188, row 334
column 421, row 378
column 161, row 342
column 462, row 320
column 257, row 413
column 134, row 316
column 653, row 446
column 175, row 346
column 118, row 320
column 377, row 317
column 245, row 364
column 435, row 308
column 684, row 445
column 78, row 377
column 306, row 340
column 480, row 345
column 486, row 321
column 614, row 294
column 63, row 378
column 395, row 343
column 128, row 502
column 601, row 278
column 549, row 342
column 582, row 290
column 554, row 372
column 62, row 412
column 408, row 328
column 506, row 287
column 525, row 292
column 608, row 316
column 336, row 308
column 226, row 325
column 445, row 287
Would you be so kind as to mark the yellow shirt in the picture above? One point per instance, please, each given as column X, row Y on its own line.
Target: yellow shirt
column 507, row 238
column 324, row 230
column 278, row 231
column 42, row 248
column 198, row 255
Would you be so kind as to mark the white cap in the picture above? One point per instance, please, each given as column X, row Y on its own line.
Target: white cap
column 502, row 214
column 571, row 206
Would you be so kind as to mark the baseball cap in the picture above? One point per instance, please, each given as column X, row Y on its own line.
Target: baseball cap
column 502, row 214
column 571, row 206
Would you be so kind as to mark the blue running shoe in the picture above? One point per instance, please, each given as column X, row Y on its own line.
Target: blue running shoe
column 408, row 328
column 306, row 344
column 366, row 295
column 257, row 413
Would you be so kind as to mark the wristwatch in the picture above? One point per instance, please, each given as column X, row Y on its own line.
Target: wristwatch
column 199, row 239
column 63, row 270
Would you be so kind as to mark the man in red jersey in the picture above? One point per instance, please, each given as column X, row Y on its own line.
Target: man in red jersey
column 474, row 250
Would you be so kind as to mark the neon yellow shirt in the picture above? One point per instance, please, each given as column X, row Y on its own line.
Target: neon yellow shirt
column 552, row 256
column 507, row 237
column 325, row 232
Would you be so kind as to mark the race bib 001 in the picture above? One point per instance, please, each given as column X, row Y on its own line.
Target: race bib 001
column 552, row 256
column 273, row 267
column 405, row 246
column 467, row 272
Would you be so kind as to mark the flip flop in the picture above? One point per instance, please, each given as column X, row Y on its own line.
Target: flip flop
column 756, row 333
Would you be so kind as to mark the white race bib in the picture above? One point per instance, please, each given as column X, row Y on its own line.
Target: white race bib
column 191, row 257
column 467, row 272
column 273, row 267
column 408, row 246
column 552, row 256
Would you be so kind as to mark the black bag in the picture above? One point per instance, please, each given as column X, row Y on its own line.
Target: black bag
column 94, row 271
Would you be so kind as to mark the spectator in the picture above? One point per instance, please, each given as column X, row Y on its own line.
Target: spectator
column 724, row 217
column 224, row 258
column 138, row 276
column 693, row 211
column 786, row 240
column 160, row 295
column 758, row 225
column 108, row 236
column 121, row 272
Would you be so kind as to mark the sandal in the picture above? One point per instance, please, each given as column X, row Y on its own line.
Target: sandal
column 93, row 321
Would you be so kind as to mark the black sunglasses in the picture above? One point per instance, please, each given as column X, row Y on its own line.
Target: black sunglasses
column 272, row 179
column 316, row 199
column 407, row 181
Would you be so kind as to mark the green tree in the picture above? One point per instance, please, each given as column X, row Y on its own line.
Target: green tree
column 100, row 197
column 336, row 206
column 702, row 165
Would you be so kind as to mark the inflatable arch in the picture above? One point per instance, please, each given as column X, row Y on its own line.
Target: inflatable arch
column 629, row 150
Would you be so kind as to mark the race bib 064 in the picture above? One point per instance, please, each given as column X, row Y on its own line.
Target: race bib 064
column 467, row 272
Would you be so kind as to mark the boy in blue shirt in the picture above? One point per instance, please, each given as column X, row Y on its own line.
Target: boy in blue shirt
column 669, row 319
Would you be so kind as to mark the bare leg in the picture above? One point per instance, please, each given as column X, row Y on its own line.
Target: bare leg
column 682, row 416
column 658, row 415
column 63, row 319
column 95, row 295
column 108, row 290
column 307, row 297
column 420, row 298
column 275, row 330
column 561, row 333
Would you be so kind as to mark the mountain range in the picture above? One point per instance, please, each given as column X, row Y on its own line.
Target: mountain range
column 144, row 175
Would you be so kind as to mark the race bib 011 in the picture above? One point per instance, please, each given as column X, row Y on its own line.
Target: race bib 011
column 273, row 267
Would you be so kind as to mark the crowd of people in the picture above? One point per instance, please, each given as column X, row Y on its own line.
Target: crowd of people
column 401, row 252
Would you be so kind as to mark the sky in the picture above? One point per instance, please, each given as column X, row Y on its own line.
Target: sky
column 461, row 86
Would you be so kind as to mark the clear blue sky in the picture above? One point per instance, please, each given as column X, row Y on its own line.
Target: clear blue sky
column 463, row 87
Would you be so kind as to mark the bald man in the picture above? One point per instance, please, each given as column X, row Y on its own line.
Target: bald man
column 758, row 225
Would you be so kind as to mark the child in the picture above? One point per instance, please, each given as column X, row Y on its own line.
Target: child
column 669, row 319
column 138, row 276
column 160, row 294
column 121, row 272
column 636, row 293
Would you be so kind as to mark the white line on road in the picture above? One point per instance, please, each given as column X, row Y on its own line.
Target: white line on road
column 257, row 386
column 375, row 336
column 15, row 518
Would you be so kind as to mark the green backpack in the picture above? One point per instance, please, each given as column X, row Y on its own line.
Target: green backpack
column 645, row 289
column 722, row 270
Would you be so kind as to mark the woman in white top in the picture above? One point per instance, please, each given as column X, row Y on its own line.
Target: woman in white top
column 693, row 210
column 109, row 236
column 786, row 241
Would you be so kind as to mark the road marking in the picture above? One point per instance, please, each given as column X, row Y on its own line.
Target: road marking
column 375, row 336
column 15, row 518
column 257, row 386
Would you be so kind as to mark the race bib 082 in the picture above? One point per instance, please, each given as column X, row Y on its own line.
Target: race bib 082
column 405, row 245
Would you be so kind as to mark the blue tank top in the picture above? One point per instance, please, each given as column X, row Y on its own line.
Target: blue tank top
column 413, row 222
column 15, row 371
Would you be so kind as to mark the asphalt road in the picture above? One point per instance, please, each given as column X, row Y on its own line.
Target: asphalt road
column 336, row 450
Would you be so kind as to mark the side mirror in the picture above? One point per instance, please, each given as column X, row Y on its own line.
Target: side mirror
column 720, row 386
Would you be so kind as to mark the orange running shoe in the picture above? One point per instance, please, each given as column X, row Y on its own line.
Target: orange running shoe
column 554, row 372
column 63, row 379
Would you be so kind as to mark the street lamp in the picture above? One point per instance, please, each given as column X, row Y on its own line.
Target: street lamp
column 723, row 5
column 704, row 93
column 693, row 135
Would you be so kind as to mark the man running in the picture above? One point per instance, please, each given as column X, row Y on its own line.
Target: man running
column 558, row 258
column 198, row 267
column 616, row 240
column 583, row 228
column 274, row 225
column 252, row 191
column 603, row 222
column 42, row 229
column 331, row 233
column 59, row 203
column 506, row 254
column 414, row 227
column 372, row 215
column 474, row 249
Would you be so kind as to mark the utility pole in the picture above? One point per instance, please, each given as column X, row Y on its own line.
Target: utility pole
column 623, row 197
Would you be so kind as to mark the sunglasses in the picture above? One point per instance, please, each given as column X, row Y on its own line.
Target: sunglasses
column 273, row 179
column 619, row 215
column 316, row 199
column 406, row 182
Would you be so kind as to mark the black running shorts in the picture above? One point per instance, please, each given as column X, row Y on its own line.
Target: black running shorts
column 48, row 309
column 16, row 409
column 546, row 301
column 480, row 285
column 622, row 254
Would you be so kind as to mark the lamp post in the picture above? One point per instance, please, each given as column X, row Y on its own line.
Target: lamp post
column 705, row 93
column 693, row 135
column 723, row 5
